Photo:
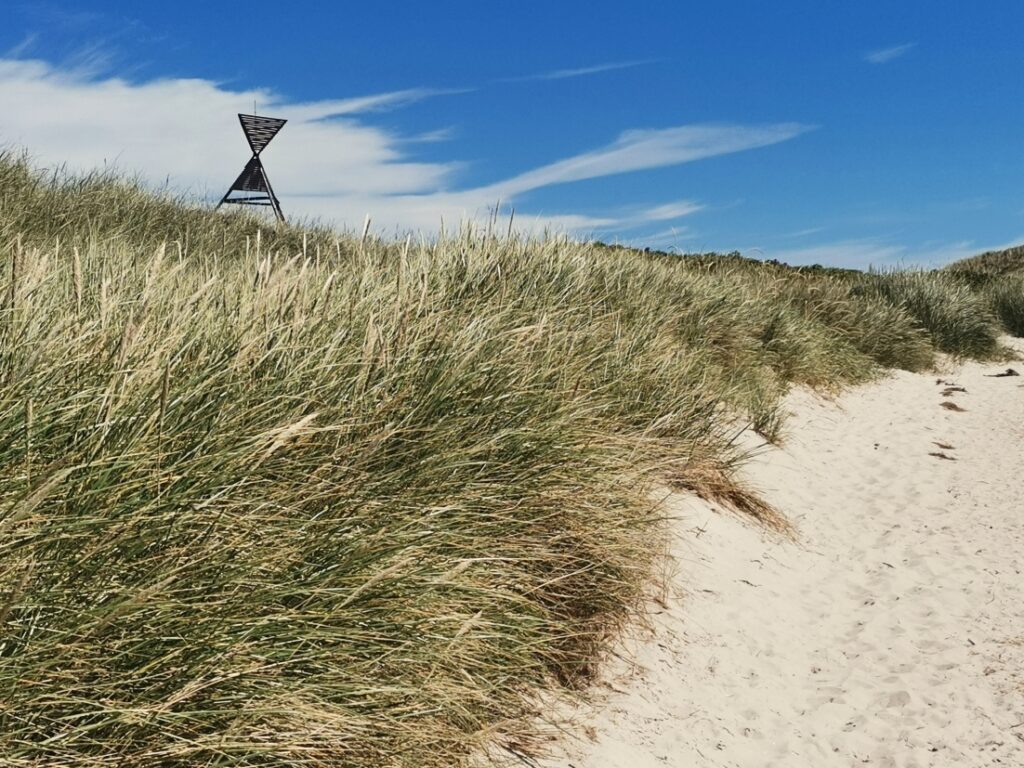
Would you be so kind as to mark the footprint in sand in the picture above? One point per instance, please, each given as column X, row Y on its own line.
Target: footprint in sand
column 898, row 699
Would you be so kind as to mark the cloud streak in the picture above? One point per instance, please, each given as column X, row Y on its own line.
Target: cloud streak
column 638, row 150
column 596, row 69
column 672, row 211
column 380, row 102
column 885, row 55
column 876, row 252
column 20, row 49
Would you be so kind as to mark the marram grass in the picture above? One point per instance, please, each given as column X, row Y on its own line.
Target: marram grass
column 958, row 319
column 999, row 278
column 279, row 497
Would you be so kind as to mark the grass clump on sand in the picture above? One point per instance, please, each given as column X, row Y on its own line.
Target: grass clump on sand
column 275, row 496
column 998, row 276
column 875, row 328
column 957, row 318
column 1006, row 298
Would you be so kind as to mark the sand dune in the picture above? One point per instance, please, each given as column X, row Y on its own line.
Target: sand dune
column 890, row 634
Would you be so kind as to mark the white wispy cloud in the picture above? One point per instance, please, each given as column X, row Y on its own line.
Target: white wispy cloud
column 320, row 110
column 804, row 232
column 432, row 137
column 329, row 162
column 873, row 252
column 885, row 55
column 843, row 253
column 634, row 217
column 20, row 49
column 638, row 150
column 670, row 211
column 595, row 69
column 671, row 239
column 186, row 129
column 633, row 151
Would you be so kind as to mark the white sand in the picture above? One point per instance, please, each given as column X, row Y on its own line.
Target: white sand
column 891, row 634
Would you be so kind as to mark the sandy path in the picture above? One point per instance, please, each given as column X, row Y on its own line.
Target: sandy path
column 892, row 634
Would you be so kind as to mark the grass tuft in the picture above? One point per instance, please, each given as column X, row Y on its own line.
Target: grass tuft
column 1006, row 296
column 957, row 318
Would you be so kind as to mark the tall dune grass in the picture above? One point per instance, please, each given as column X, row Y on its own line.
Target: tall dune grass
column 284, row 497
column 1006, row 298
column 1009, row 261
column 958, row 319
column 998, row 277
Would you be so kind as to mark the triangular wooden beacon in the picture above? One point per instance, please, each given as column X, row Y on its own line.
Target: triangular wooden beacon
column 252, row 182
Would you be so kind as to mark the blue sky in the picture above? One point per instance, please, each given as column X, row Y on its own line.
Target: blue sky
column 834, row 132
